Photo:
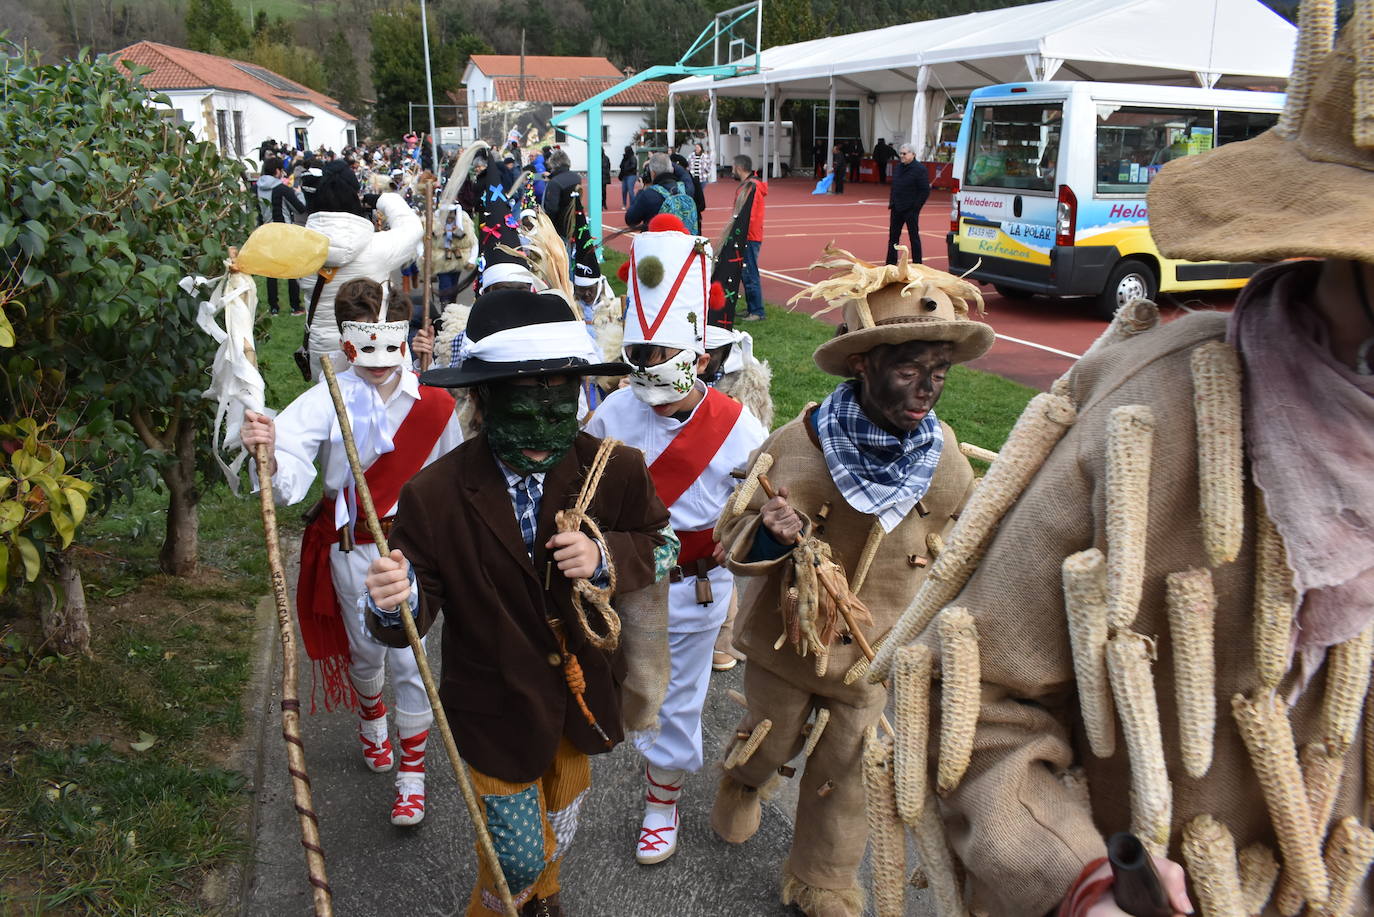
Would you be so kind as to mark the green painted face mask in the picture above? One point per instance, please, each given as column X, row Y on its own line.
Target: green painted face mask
column 539, row 417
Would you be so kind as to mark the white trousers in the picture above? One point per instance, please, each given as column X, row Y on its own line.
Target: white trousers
column 678, row 746
column 370, row 657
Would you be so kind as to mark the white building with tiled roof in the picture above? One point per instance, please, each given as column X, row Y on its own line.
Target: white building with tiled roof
column 564, row 82
column 238, row 105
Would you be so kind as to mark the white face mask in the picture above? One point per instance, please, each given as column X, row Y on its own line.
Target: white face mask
column 665, row 382
column 375, row 343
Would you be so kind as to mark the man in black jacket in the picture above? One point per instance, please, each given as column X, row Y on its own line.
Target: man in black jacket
column 558, row 191
column 277, row 203
column 882, row 155
column 910, row 188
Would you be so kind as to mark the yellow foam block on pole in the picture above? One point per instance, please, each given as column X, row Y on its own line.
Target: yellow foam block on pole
column 282, row 250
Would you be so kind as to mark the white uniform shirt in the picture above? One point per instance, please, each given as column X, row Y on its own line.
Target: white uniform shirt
column 626, row 418
column 308, row 429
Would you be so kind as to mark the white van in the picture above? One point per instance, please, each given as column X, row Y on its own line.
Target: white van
column 1051, row 180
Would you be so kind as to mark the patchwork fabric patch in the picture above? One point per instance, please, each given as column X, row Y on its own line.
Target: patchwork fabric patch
column 517, row 832
column 665, row 555
column 564, row 823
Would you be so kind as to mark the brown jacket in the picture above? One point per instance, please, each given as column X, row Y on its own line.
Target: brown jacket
column 1023, row 830
column 503, row 688
column 891, row 582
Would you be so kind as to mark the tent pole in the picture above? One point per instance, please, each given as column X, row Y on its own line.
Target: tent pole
column 830, row 126
column 672, row 124
column 713, row 135
column 777, row 134
column 767, row 101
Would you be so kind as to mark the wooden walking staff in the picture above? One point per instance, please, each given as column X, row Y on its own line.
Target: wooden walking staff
column 290, row 695
column 427, row 188
column 485, row 848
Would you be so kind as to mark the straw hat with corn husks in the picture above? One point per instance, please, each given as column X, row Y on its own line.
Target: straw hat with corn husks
column 1304, row 188
column 893, row 304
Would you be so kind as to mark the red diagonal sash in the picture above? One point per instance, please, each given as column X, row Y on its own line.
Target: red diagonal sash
column 317, row 605
column 651, row 330
column 694, row 446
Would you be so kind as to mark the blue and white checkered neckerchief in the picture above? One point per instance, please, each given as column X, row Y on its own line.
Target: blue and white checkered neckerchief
column 526, row 493
column 876, row 473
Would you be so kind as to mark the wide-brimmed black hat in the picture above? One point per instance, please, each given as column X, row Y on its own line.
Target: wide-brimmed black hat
column 538, row 333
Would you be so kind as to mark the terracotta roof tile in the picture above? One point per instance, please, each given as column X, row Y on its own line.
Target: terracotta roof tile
column 180, row 68
column 545, row 67
column 573, row 91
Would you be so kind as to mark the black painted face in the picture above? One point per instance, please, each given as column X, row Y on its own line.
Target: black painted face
column 902, row 382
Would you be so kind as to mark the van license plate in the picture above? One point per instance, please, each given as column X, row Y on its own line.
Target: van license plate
column 980, row 232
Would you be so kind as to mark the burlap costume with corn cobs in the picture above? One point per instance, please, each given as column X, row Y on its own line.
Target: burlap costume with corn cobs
column 1148, row 688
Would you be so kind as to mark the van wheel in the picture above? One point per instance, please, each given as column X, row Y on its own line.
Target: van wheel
column 1012, row 292
column 1129, row 281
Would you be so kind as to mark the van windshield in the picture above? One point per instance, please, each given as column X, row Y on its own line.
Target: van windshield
column 1015, row 146
column 1134, row 142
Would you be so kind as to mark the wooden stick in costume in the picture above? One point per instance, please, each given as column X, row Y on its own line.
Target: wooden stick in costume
column 485, row 847
column 427, row 189
column 236, row 381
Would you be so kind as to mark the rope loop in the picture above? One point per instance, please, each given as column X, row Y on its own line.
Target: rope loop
column 573, row 519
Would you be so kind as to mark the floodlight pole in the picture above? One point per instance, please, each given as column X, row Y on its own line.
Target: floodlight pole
column 435, row 164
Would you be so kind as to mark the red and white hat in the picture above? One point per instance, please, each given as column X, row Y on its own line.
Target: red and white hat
column 667, row 287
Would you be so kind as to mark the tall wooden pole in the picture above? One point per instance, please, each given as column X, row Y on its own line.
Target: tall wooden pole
column 485, row 849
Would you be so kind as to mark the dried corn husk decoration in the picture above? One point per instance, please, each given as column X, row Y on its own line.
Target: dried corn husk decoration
column 1275, row 601
column 1348, row 855
column 858, row 278
column 1044, row 421
column 870, row 551
column 935, row 543
column 1133, row 689
column 1130, row 440
column 911, row 698
column 960, row 678
column 1258, row 873
column 884, row 828
column 1085, row 601
column 744, row 749
column 750, row 485
column 1209, row 853
column 1347, row 683
column 1316, row 32
column 818, row 725
column 1220, row 451
column 1268, row 737
column 941, row 874
column 1192, row 611
column 860, row 668
column 1135, row 317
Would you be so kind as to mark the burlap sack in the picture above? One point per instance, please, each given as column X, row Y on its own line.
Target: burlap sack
column 644, row 641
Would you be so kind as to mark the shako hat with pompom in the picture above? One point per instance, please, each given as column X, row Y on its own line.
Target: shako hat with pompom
column 667, row 287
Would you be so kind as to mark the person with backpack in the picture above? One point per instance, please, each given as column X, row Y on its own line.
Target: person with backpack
column 666, row 194
column 695, row 186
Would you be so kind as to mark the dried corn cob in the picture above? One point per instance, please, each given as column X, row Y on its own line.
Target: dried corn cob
column 1348, row 855
column 937, row 859
column 1044, row 421
column 978, row 452
column 744, row 749
column 860, row 668
column 870, row 551
column 750, row 485
column 1316, row 29
column 738, row 698
column 817, row 727
column 1268, row 737
column 1133, row 689
column 1275, row 601
column 1130, row 438
column 911, row 698
column 885, row 830
column 1258, row 873
column 1364, row 74
column 1347, row 682
column 1209, row 852
column 1369, row 757
column 1061, row 387
column 1192, row 610
column 1085, row 601
column 935, row 543
column 1220, row 453
column 822, row 661
column 959, row 695
column 1321, row 778
column 1131, row 319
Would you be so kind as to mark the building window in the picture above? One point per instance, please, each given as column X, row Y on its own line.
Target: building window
column 351, row 136
column 559, row 136
column 605, row 133
column 238, row 133
column 300, row 138
column 222, row 129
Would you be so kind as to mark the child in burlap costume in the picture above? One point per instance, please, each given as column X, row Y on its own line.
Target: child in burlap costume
column 918, row 318
column 1173, row 622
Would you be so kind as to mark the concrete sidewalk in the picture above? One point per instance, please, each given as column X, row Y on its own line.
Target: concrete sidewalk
column 376, row 869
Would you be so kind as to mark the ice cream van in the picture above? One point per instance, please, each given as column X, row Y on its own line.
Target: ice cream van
column 1052, row 180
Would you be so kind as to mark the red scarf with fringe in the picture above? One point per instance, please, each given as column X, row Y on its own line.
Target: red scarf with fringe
column 317, row 605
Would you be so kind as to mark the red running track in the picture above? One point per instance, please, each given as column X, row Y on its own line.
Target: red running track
column 1037, row 339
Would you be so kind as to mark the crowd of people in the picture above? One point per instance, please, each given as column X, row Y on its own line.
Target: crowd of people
column 1153, row 614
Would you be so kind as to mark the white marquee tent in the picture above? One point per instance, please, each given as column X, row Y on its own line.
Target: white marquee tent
column 901, row 75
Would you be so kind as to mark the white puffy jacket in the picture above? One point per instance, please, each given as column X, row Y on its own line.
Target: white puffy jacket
column 358, row 250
